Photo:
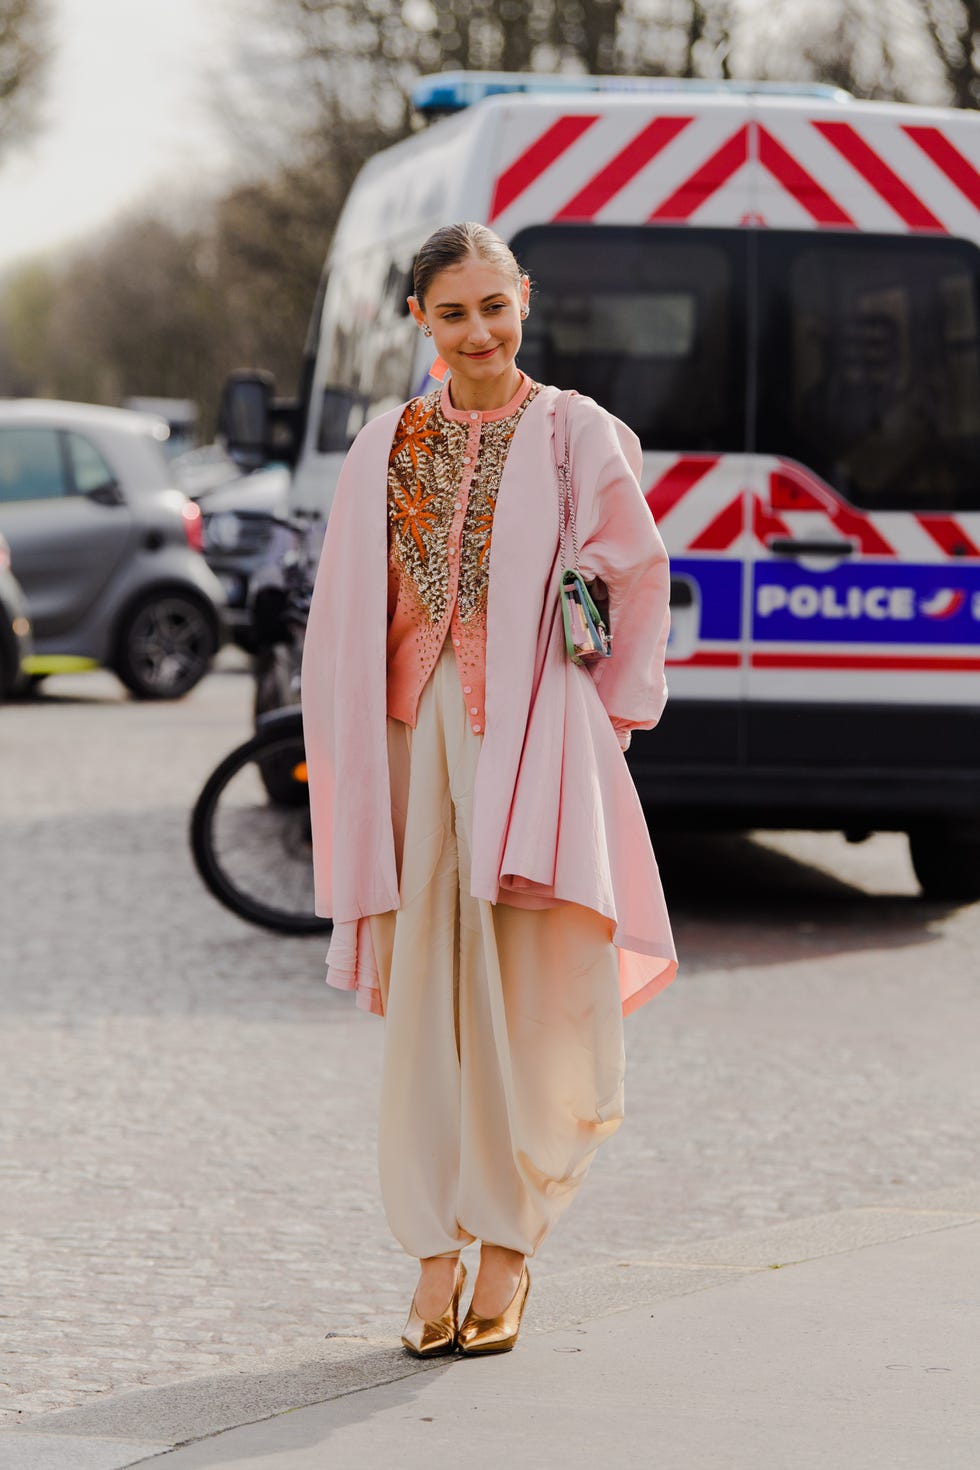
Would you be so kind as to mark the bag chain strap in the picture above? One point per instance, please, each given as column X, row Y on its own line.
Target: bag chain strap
column 567, row 498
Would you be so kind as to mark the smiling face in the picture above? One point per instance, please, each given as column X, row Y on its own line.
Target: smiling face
column 474, row 310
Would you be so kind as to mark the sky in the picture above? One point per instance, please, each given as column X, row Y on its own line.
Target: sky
column 125, row 115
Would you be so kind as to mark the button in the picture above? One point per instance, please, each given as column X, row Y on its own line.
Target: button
column 459, row 505
column 467, row 459
column 452, row 550
column 476, row 729
column 474, row 709
column 467, row 689
column 456, row 642
column 474, row 415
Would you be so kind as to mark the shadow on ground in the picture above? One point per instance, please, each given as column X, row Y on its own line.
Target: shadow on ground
column 735, row 901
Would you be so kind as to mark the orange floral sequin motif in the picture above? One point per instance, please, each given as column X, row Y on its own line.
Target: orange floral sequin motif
column 482, row 533
column 416, row 432
column 411, row 514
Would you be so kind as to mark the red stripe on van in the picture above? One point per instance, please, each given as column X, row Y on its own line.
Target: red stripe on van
column 719, row 534
column 531, row 164
column 765, row 522
column 816, row 495
column 706, row 180
column 908, row 206
column 949, row 534
column 708, row 659
column 625, row 166
column 851, row 523
column 664, row 493
column 796, row 181
column 919, row 663
column 957, row 169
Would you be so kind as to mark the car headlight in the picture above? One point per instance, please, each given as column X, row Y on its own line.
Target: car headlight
column 222, row 531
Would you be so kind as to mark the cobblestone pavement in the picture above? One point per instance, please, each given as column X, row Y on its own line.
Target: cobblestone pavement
column 187, row 1130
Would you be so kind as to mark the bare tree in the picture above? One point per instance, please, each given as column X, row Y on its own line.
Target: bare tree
column 131, row 314
column 28, row 297
column 24, row 53
column 953, row 29
column 883, row 49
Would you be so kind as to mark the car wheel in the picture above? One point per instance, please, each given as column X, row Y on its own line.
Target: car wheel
column 946, row 859
column 12, row 681
column 165, row 646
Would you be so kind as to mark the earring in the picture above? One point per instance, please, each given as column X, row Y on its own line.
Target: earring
column 426, row 330
column 525, row 314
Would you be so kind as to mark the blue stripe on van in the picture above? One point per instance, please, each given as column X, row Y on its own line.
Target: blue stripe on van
column 718, row 588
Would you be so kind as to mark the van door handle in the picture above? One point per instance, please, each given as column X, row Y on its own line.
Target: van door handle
column 781, row 546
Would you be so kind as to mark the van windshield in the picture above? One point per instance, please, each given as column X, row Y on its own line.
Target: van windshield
column 648, row 321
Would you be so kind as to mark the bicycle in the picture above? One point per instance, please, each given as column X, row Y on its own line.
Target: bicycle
column 251, row 833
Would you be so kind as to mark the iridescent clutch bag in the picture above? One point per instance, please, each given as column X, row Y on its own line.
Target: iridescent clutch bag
column 586, row 634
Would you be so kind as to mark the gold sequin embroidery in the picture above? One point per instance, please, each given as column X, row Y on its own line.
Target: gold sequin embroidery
column 425, row 469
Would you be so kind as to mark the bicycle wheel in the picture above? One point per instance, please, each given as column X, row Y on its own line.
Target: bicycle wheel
column 255, row 851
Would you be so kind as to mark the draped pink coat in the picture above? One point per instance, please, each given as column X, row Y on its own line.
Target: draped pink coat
column 555, row 813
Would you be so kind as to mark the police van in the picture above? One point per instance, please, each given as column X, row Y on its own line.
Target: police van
column 779, row 290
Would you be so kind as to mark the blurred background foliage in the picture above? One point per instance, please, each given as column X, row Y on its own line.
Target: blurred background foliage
column 169, row 301
column 25, row 45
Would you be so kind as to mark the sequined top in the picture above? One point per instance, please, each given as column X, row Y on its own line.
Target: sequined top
column 443, row 477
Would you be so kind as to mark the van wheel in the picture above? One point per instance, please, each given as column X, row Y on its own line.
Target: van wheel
column 165, row 646
column 946, row 859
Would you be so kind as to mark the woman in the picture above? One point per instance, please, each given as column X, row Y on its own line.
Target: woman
column 477, row 836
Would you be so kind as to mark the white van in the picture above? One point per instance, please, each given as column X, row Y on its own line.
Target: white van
column 779, row 290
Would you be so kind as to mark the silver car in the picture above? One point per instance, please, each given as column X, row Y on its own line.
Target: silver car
column 107, row 550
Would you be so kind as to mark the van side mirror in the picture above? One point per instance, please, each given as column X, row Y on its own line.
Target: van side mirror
column 245, row 417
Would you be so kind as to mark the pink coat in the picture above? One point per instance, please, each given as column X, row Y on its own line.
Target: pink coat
column 556, row 815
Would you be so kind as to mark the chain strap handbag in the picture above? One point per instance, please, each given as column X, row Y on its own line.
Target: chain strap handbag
column 586, row 634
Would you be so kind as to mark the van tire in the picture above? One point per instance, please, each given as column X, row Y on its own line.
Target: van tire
column 946, row 860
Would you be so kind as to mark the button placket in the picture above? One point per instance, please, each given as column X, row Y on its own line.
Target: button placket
column 460, row 503
column 460, row 506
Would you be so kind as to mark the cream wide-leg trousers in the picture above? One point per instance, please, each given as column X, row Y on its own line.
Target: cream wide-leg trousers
column 503, row 1064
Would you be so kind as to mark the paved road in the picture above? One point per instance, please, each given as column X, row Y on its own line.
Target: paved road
column 187, row 1127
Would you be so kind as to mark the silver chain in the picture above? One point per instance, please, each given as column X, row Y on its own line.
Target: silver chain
column 567, row 506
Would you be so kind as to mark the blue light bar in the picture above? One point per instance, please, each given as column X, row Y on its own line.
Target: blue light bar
column 451, row 91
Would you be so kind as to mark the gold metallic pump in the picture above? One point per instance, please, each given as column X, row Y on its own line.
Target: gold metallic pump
column 428, row 1339
column 495, row 1334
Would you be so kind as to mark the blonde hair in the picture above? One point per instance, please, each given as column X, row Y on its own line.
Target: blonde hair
column 455, row 243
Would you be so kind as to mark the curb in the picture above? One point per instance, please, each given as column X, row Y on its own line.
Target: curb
column 130, row 1428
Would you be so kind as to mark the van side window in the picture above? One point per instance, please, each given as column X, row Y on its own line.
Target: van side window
column 368, row 346
column 647, row 320
column 869, row 365
column 31, row 466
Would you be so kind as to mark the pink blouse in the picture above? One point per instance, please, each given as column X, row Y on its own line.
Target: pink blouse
column 443, row 476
